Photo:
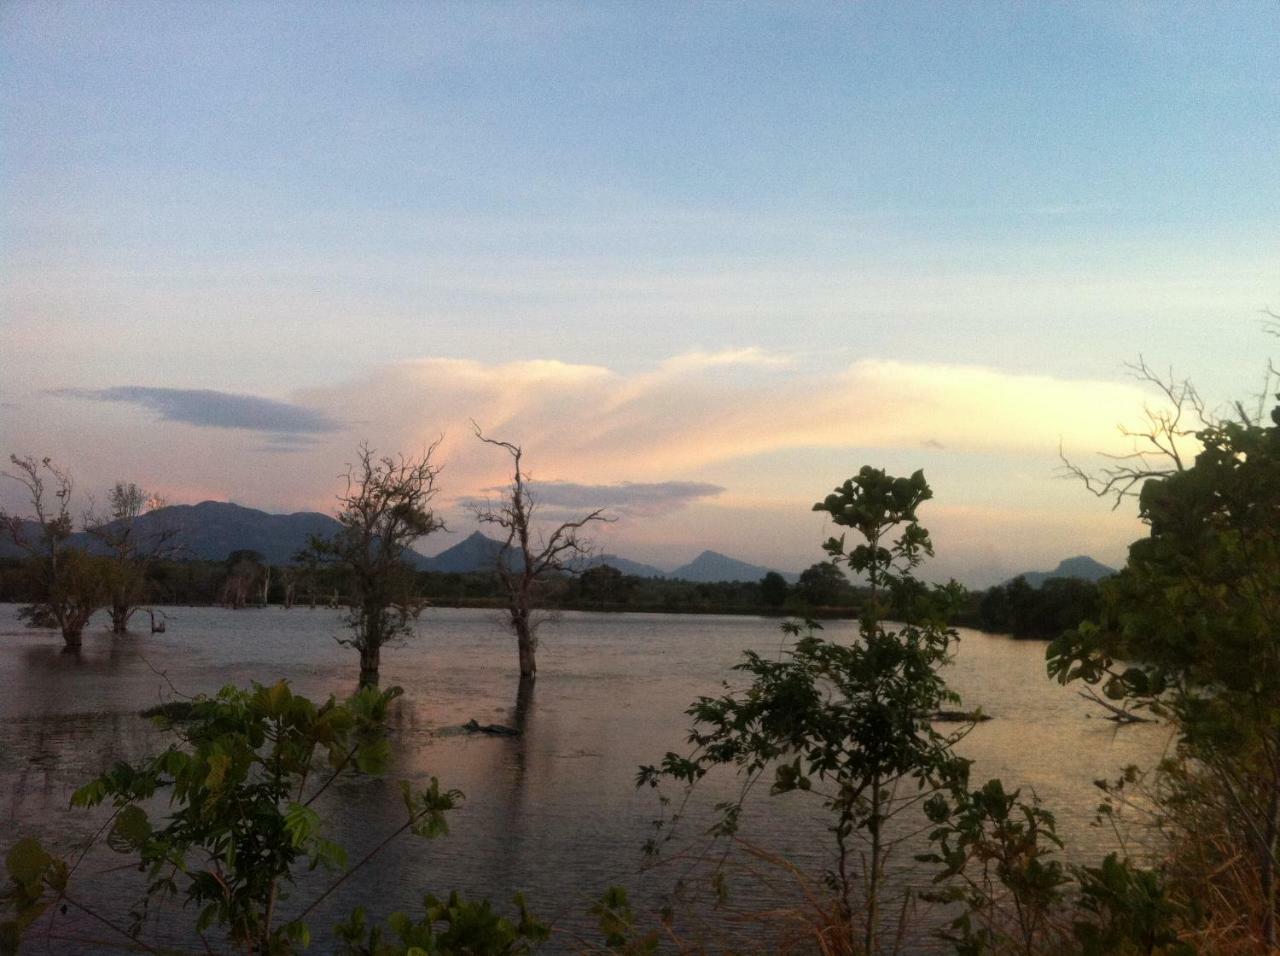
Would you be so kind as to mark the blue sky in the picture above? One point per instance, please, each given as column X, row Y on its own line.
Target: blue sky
column 292, row 201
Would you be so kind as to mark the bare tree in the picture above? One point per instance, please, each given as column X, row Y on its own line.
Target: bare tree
column 133, row 546
column 1162, row 443
column 70, row 584
column 1158, row 446
column 383, row 511
column 528, row 559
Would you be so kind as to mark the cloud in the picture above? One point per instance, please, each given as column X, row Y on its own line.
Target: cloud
column 206, row 408
column 592, row 425
column 564, row 500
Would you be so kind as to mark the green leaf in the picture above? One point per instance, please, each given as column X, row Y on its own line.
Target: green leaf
column 131, row 830
column 27, row 862
column 301, row 823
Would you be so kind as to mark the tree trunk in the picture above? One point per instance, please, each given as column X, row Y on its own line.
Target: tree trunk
column 526, row 644
column 71, row 635
column 370, row 658
column 120, row 614
column 524, row 702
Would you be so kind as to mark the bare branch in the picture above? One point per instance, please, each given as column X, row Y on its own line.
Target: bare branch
column 1157, row 446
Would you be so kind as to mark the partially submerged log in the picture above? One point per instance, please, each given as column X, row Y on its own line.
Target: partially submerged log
column 494, row 730
column 959, row 716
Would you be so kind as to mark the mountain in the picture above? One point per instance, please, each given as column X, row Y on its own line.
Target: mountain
column 211, row 530
column 711, row 566
column 476, row 552
column 633, row 568
column 1082, row 567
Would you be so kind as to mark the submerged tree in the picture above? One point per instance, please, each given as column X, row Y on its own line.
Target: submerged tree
column 132, row 547
column 384, row 509
column 529, row 559
column 69, row 583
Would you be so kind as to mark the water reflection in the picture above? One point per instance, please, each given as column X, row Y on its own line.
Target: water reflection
column 552, row 811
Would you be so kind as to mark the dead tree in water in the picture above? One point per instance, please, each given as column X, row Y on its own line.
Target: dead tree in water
column 133, row 546
column 524, row 565
column 69, row 583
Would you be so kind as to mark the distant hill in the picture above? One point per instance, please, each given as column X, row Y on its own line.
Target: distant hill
column 211, row 530
column 476, row 552
column 479, row 552
column 711, row 566
column 1082, row 567
column 633, row 568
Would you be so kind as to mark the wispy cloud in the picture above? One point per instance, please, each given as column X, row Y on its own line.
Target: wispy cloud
column 587, row 423
column 628, row 498
column 206, row 408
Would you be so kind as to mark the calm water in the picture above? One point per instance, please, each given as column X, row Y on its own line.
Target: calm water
column 553, row 812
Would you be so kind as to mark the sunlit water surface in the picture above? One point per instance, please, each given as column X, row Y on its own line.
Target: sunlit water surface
column 553, row 812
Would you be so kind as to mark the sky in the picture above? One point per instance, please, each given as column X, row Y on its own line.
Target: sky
column 702, row 261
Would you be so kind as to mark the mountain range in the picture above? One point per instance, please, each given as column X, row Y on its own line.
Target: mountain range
column 211, row 530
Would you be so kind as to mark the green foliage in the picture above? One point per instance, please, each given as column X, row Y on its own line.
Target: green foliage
column 1195, row 610
column 848, row 724
column 450, row 928
column 1047, row 611
column 996, row 853
column 241, row 784
column 1127, row 910
column 31, row 871
column 617, row 923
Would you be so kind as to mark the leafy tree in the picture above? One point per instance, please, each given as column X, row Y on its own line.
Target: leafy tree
column 385, row 508
column 131, row 550
column 773, row 589
column 1019, row 609
column 1196, row 610
column 604, row 584
column 69, row 584
column 848, row 724
column 822, row 584
column 529, row 560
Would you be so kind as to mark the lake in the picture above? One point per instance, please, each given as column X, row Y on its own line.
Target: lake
column 553, row 812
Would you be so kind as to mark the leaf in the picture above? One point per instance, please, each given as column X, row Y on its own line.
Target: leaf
column 373, row 757
column 131, row 830
column 27, row 862
column 301, row 823
column 218, row 764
